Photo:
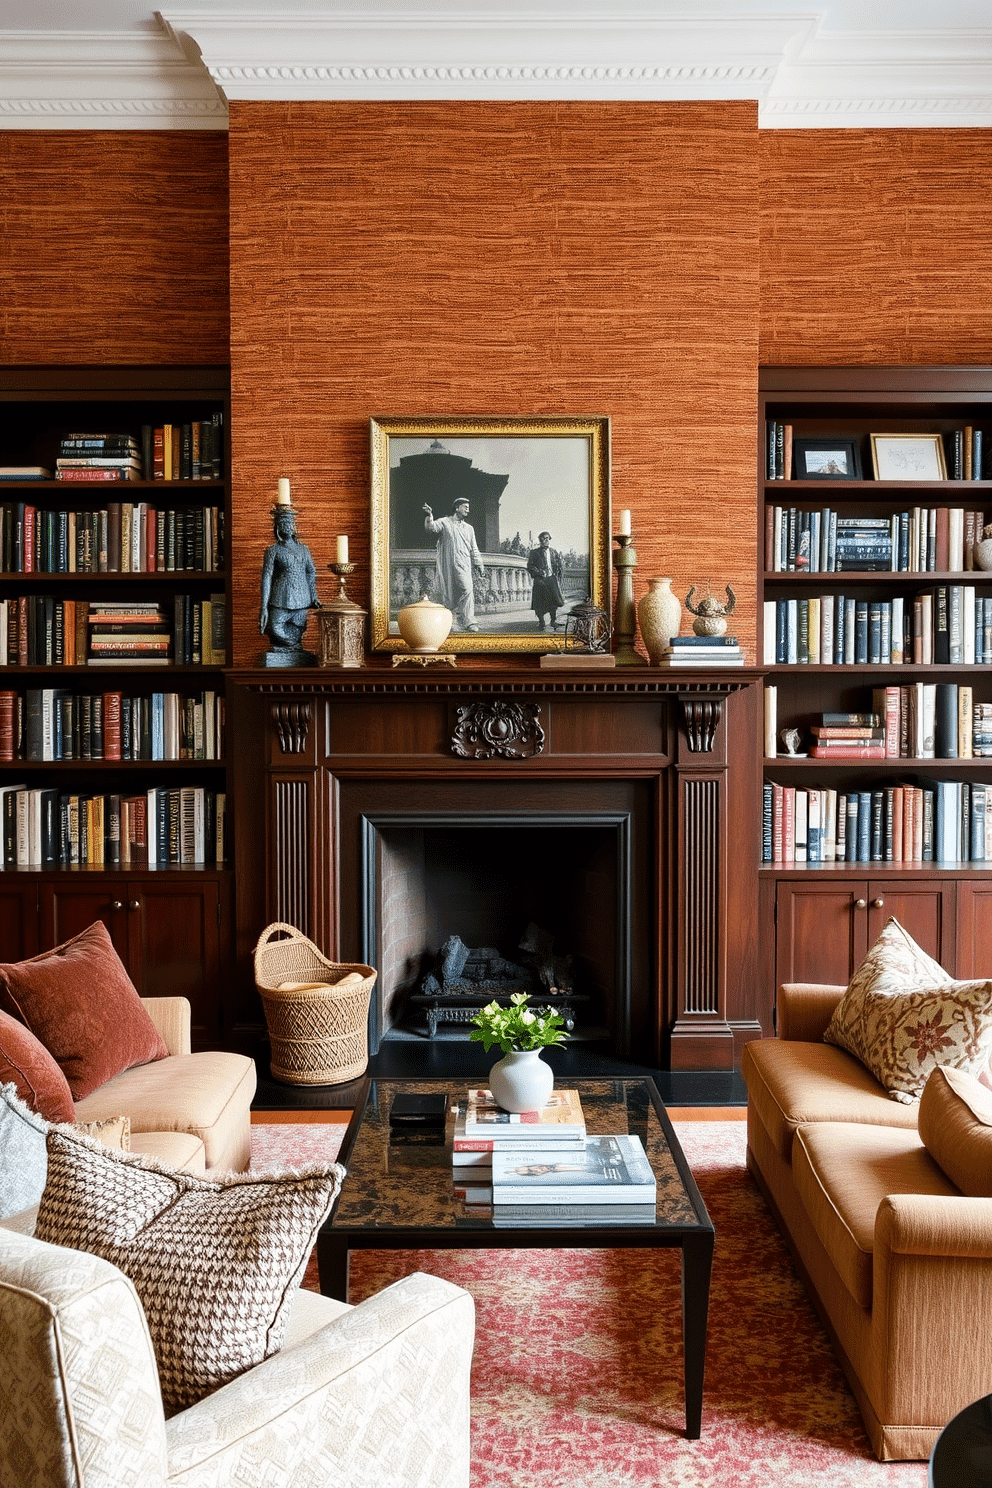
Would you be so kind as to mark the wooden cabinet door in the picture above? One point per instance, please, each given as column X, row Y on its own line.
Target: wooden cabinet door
column 820, row 930
column 924, row 908
column 69, row 906
column 18, row 920
column 174, row 938
column 974, row 926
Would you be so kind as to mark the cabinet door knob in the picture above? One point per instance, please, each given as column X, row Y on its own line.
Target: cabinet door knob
column 116, row 904
column 861, row 903
column 134, row 904
column 878, row 904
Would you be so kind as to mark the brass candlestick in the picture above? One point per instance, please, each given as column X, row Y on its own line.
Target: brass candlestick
column 342, row 626
column 625, row 561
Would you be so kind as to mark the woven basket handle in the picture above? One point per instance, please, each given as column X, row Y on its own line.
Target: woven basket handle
column 271, row 931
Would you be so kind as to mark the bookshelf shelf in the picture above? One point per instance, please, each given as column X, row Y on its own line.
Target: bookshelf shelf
column 919, row 820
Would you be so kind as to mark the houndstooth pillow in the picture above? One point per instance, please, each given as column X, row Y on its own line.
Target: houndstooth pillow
column 895, row 964
column 215, row 1261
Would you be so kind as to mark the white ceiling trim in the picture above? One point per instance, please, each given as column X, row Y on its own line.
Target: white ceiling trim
column 179, row 69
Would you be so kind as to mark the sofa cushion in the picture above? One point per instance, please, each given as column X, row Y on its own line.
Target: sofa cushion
column 842, row 1172
column 24, row 1165
column 207, row 1094
column 894, row 964
column 80, row 1002
column 215, row 1263
column 27, row 1064
column 955, row 1123
column 789, row 1083
column 910, row 1033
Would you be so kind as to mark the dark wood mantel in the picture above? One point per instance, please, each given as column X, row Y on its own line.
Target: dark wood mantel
column 318, row 749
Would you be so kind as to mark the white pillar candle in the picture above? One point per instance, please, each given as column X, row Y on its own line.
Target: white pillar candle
column 342, row 550
column 624, row 529
column 283, row 491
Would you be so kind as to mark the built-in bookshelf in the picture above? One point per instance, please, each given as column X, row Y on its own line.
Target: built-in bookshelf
column 875, row 630
column 114, row 512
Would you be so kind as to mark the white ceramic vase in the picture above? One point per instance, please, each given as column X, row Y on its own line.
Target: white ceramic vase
column 521, row 1081
column 659, row 614
column 425, row 625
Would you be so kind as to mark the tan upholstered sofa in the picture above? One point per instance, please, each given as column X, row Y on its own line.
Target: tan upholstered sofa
column 897, row 1258
column 192, row 1111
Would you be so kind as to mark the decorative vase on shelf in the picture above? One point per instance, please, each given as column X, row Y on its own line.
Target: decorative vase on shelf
column 982, row 550
column 521, row 1081
column 659, row 614
column 424, row 626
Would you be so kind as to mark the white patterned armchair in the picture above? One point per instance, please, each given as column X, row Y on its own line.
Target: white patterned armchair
column 374, row 1395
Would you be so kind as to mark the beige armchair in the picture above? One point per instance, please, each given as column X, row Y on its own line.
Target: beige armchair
column 374, row 1395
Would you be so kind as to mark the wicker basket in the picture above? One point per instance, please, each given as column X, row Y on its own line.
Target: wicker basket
column 319, row 1034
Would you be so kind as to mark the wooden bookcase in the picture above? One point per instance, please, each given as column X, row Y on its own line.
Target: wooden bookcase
column 818, row 918
column 171, row 921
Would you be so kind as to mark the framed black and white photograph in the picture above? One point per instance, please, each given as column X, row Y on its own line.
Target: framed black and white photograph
column 503, row 520
column 827, row 458
column 908, row 457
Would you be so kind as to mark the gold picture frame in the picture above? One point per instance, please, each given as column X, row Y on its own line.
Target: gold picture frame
column 521, row 476
column 908, row 457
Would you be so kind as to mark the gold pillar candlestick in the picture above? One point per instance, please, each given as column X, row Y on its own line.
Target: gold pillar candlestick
column 342, row 625
column 625, row 561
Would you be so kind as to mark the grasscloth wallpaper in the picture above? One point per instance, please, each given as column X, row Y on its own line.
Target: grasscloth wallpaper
column 472, row 258
column 876, row 246
column 113, row 247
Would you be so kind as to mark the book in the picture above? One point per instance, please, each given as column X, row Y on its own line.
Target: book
column 564, row 1216
column 475, row 1149
column 608, row 1170
column 562, row 1115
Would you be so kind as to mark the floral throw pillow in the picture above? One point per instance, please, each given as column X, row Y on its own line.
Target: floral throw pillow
column 909, row 1034
column 895, row 964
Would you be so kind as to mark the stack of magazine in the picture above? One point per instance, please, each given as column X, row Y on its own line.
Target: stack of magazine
column 542, row 1167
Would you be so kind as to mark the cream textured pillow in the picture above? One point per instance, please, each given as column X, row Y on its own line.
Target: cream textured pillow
column 114, row 1131
column 215, row 1262
column 908, row 1034
column 894, row 964
column 955, row 1124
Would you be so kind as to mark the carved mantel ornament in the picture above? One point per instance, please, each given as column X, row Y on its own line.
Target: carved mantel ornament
column 498, row 729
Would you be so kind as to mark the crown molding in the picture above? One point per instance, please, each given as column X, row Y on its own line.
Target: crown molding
column 836, row 65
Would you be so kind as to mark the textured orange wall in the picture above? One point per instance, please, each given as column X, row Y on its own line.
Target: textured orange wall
column 524, row 258
column 113, row 247
column 876, row 246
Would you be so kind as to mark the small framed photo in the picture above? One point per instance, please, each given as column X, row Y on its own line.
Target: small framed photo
column 505, row 520
column 827, row 457
column 908, row 457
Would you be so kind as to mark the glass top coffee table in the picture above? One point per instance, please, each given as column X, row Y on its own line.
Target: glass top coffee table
column 400, row 1195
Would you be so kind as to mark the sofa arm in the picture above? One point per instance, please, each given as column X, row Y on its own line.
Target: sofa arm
column 950, row 1225
column 172, row 1017
column 379, row 1398
column 804, row 1009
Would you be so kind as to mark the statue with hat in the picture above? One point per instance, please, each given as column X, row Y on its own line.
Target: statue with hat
column 289, row 589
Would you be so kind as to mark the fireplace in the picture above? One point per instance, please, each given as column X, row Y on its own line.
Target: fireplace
column 401, row 808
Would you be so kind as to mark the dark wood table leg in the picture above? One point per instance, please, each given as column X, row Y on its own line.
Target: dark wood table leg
column 697, row 1263
column 332, row 1266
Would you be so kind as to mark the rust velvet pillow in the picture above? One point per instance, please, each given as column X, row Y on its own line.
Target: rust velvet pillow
column 79, row 1001
column 27, row 1064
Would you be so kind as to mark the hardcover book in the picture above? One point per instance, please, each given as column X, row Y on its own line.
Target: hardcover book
column 608, row 1170
column 561, row 1115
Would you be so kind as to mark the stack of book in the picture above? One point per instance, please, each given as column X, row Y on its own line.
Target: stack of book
column 98, row 457
column 482, row 1129
column 136, row 634
column 702, row 651
column 848, row 736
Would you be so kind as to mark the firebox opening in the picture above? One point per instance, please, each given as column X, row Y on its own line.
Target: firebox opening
column 487, row 882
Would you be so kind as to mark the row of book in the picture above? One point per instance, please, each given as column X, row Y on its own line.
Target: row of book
column 503, row 1162
column 948, row 625
column 924, row 720
column 120, row 537
column 49, row 630
column 964, row 447
column 945, row 821
column 924, row 540
column 186, row 451
column 43, row 827
column 51, row 723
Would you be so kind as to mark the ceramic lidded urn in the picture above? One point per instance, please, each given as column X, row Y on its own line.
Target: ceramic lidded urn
column 659, row 614
column 425, row 625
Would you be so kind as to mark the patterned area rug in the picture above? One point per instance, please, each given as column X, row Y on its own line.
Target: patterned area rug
column 577, row 1379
